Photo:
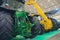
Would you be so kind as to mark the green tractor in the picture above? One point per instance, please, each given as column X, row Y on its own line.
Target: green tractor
column 14, row 20
column 15, row 23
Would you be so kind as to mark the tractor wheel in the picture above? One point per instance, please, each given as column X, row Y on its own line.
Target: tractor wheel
column 6, row 26
column 37, row 29
column 54, row 22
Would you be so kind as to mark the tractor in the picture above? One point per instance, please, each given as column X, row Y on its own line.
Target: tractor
column 15, row 23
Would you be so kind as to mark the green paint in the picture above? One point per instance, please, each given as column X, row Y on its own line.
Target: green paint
column 19, row 37
column 22, row 24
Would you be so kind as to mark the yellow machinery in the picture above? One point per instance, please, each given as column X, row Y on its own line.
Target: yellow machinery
column 46, row 22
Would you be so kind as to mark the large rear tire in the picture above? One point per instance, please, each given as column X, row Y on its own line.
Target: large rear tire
column 6, row 26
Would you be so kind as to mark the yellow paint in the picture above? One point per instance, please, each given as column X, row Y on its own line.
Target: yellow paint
column 45, row 21
column 32, row 14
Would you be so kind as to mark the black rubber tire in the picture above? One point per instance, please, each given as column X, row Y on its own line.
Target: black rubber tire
column 6, row 26
column 54, row 22
column 37, row 29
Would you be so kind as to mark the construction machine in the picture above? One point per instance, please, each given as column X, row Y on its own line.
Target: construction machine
column 16, row 24
column 47, row 23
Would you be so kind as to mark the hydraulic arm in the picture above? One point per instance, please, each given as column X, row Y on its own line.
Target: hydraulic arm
column 47, row 23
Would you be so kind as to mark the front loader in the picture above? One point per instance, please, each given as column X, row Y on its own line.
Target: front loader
column 48, row 23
